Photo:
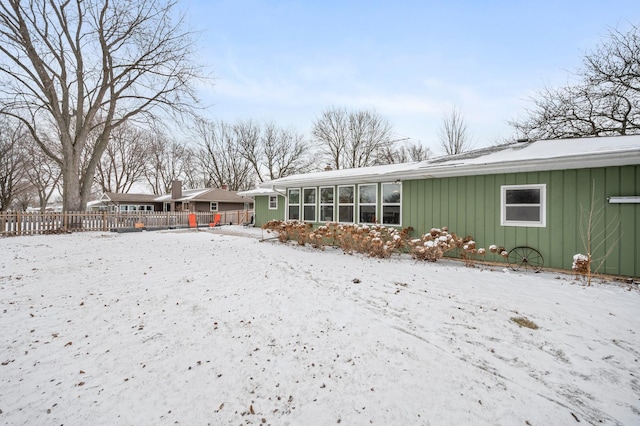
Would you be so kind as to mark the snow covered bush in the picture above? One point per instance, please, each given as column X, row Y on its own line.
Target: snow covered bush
column 581, row 264
column 433, row 245
column 372, row 240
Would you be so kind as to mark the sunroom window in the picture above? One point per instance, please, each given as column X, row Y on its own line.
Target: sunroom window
column 326, row 204
column 391, row 202
column 294, row 204
column 523, row 205
column 367, row 199
column 309, row 204
column 345, row 203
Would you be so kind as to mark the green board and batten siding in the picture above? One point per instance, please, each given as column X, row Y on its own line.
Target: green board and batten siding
column 470, row 205
column 264, row 214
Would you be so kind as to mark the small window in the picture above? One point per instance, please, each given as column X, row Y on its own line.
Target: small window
column 523, row 205
column 345, row 203
column 294, row 204
column 273, row 202
column 391, row 202
column 214, row 206
column 309, row 204
column 326, row 204
column 367, row 200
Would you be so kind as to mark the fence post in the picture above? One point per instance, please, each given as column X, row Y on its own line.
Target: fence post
column 18, row 223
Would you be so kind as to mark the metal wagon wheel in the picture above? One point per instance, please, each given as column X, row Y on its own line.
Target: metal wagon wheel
column 526, row 258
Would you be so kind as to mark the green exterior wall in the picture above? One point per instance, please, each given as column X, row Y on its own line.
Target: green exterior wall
column 262, row 212
column 470, row 205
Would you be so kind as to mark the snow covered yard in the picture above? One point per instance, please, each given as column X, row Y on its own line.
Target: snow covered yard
column 200, row 327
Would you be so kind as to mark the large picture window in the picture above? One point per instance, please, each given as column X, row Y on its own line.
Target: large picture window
column 391, row 202
column 294, row 204
column 346, row 198
column 367, row 200
column 523, row 205
column 309, row 204
column 326, row 204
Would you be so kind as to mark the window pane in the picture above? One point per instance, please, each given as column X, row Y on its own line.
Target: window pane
column 273, row 202
column 294, row 196
column 326, row 195
column 523, row 196
column 391, row 215
column 391, row 193
column 523, row 214
column 310, row 196
column 345, row 194
column 310, row 213
column 326, row 214
column 367, row 214
column 345, row 214
column 367, row 194
column 294, row 213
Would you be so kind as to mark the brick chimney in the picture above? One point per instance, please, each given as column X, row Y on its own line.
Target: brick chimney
column 176, row 189
column 224, row 187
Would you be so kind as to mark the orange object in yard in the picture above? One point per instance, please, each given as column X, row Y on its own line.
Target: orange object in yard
column 216, row 220
column 192, row 221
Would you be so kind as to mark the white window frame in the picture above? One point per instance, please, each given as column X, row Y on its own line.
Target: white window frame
column 273, row 206
column 368, row 204
column 398, row 204
column 352, row 204
column 332, row 204
column 314, row 204
column 542, row 206
column 289, row 205
column 213, row 206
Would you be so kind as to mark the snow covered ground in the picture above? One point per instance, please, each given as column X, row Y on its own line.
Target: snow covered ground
column 203, row 327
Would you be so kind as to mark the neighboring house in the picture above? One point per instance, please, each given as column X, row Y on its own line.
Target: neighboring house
column 527, row 193
column 192, row 200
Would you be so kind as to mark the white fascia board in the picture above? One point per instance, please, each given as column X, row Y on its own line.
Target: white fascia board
column 568, row 162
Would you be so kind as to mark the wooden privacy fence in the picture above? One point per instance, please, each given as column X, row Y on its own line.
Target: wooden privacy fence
column 22, row 223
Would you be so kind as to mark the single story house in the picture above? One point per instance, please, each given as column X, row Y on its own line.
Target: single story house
column 191, row 200
column 521, row 194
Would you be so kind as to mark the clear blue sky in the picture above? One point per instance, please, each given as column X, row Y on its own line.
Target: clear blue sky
column 411, row 61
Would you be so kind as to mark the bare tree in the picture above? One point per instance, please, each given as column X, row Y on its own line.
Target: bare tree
column 165, row 163
column 43, row 173
column 70, row 67
column 125, row 159
column 454, row 135
column 352, row 139
column 12, row 162
column 272, row 151
column 405, row 153
column 221, row 158
column 604, row 100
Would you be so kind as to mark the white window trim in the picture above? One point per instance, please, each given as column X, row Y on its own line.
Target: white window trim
column 352, row 204
column 332, row 204
column 374, row 204
column 305, row 204
column 383, row 204
column 211, row 203
column 543, row 206
column 288, row 205
column 275, row 197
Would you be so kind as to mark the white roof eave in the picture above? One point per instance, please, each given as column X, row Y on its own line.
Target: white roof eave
column 427, row 171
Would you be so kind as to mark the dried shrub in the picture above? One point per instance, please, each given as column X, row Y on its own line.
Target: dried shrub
column 581, row 264
column 525, row 322
column 372, row 240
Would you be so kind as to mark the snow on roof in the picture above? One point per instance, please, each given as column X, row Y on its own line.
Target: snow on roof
column 258, row 191
column 559, row 154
